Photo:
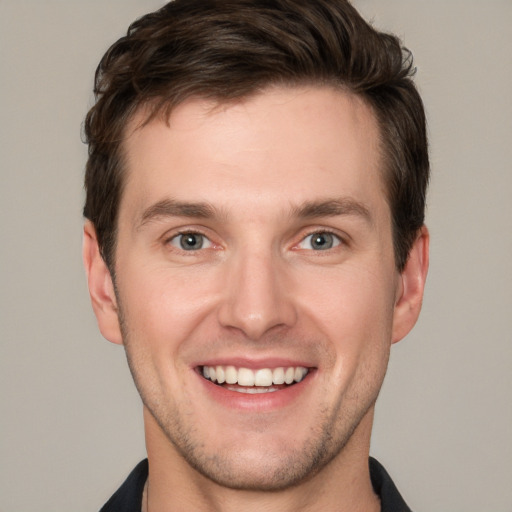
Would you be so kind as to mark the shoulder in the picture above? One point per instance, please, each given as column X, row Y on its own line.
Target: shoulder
column 128, row 498
column 390, row 498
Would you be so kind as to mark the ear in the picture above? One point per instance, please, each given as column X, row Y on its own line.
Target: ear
column 101, row 287
column 411, row 287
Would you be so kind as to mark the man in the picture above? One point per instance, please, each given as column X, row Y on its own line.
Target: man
column 254, row 238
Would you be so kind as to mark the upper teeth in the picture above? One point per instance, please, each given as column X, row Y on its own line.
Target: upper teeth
column 262, row 377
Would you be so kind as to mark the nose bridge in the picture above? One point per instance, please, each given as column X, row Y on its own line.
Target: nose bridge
column 256, row 299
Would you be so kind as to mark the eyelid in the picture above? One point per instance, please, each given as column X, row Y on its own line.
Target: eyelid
column 207, row 243
column 173, row 234
column 341, row 238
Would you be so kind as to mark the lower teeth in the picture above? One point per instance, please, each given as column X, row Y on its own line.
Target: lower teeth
column 251, row 390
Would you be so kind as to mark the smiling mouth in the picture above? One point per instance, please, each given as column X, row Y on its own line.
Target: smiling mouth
column 245, row 380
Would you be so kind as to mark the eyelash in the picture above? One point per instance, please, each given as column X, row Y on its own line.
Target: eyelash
column 338, row 240
column 175, row 236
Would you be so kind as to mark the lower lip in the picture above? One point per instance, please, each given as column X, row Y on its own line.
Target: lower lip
column 258, row 402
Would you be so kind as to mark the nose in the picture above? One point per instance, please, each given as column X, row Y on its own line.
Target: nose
column 256, row 297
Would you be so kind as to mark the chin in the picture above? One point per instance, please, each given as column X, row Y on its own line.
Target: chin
column 273, row 464
column 259, row 472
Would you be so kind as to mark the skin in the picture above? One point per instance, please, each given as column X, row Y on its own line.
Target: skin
column 258, row 178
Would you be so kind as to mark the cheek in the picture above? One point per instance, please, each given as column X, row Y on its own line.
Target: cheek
column 349, row 302
column 164, row 305
column 354, row 314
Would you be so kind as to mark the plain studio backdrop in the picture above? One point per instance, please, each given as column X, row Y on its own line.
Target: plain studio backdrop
column 71, row 422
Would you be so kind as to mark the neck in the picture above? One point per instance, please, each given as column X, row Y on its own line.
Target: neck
column 343, row 485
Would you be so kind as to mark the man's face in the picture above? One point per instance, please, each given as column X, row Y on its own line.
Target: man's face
column 255, row 244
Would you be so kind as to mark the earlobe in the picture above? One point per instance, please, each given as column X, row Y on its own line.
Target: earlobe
column 101, row 287
column 411, row 287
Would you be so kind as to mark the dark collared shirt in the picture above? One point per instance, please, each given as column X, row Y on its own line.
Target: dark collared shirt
column 128, row 498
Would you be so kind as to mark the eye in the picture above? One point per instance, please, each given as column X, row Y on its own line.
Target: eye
column 190, row 241
column 320, row 241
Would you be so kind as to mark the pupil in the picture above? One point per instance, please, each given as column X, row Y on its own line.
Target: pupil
column 322, row 241
column 191, row 241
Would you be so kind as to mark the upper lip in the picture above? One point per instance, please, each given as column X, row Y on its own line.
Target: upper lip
column 254, row 363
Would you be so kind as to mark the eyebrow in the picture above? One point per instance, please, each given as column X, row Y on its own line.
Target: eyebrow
column 307, row 210
column 173, row 208
column 333, row 208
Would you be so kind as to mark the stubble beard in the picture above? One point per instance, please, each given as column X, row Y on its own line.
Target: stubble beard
column 271, row 473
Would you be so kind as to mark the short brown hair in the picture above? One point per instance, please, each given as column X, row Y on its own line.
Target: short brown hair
column 230, row 49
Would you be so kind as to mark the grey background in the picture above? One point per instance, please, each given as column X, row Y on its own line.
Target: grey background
column 71, row 425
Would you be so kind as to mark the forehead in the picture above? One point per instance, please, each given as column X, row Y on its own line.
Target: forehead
column 308, row 142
